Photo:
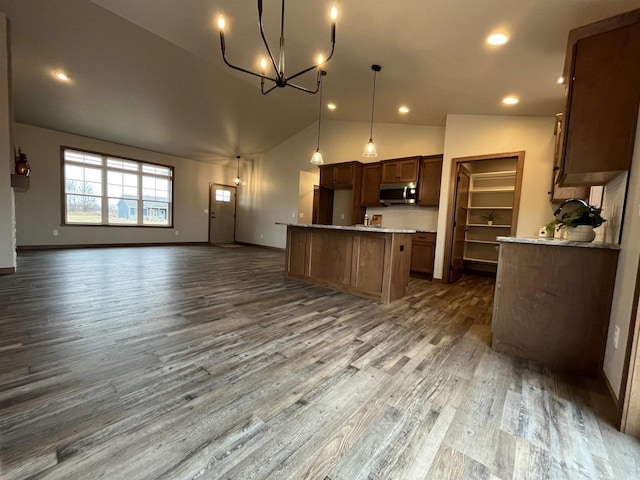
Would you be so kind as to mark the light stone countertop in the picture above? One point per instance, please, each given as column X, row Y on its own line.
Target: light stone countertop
column 357, row 228
column 558, row 243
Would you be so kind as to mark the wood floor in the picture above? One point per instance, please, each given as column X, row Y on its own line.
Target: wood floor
column 204, row 362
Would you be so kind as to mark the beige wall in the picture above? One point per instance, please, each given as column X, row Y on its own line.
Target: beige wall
column 7, row 236
column 38, row 210
column 625, row 276
column 468, row 135
column 305, row 191
column 275, row 180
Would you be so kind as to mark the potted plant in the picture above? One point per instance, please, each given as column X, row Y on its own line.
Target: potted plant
column 489, row 217
column 581, row 221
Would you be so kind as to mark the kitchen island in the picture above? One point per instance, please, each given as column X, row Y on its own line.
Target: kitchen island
column 371, row 262
column 553, row 300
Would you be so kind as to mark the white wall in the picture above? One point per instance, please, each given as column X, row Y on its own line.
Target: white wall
column 305, row 191
column 274, row 191
column 7, row 236
column 468, row 135
column 38, row 210
column 625, row 276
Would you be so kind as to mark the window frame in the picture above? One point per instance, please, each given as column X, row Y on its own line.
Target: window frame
column 104, row 194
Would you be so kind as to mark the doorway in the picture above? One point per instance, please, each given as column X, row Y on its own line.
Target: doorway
column 484, row 199
column 222, row 213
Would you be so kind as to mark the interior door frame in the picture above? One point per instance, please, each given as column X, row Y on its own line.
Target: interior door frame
column 235, row 209
column 453, row 190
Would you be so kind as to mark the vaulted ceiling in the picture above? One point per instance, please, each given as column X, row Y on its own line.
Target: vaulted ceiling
column 149, row 73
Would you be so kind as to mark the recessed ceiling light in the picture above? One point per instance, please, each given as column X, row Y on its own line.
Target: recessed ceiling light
column 331, row 106
column 510, row 100
column 497, row 39
column 403, row 109
column 60, row 75
column 560, row 79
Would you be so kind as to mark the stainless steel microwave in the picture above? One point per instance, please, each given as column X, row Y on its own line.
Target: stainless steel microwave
column 398, row 193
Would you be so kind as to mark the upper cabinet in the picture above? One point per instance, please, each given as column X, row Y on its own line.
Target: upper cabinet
column 400, row 170
column 371, row 179
column 340, row 175
column 602, row 70
column 429, row 184
column 558, row 193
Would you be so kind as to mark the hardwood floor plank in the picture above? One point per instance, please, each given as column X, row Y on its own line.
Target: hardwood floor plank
column 195, row 362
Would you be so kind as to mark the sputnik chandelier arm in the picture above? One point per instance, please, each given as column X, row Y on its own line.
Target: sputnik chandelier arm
column 280, row 79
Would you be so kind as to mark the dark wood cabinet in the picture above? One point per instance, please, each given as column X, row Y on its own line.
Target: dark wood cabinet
column 371, row 179
column 537, row 314
column 429, row 183
column 423, row 247
column 558, row 193
column 339, row 176
column 602, row 69
column 400, row 170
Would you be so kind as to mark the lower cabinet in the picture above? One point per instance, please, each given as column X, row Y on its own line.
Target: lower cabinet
column 423, row 247
column 552, row 304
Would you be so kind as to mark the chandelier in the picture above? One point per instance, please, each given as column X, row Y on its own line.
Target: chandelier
column 278, row 76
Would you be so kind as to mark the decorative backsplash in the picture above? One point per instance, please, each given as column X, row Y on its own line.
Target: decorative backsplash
column 407, row 216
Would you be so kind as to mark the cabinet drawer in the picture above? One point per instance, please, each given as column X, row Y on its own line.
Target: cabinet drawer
column 424, row 237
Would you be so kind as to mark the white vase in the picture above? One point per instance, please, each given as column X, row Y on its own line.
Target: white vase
column 581, row 233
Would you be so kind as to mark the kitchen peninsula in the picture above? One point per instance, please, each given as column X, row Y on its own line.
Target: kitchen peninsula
column 371, row 262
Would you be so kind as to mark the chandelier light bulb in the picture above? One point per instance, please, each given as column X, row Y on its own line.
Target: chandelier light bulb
column 320, row 60
column 334, row 13
column 221, row 23
column 263, row 64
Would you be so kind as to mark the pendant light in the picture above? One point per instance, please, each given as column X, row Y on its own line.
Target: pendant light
column 370, row 147
column 237, row 179
column 316, row 159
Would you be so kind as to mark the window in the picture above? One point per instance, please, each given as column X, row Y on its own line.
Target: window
column 106, row 190
column 223, row 195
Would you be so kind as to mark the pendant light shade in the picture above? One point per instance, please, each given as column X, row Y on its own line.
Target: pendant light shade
column 237, row 179
column 370, row 147
column 316, row 158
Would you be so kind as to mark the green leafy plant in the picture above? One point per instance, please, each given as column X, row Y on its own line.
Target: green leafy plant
column 551, row 226
column 490, row 217
column 583, row 215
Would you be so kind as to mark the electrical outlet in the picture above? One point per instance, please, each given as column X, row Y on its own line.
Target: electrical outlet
column 301, row 215
column 261, row 236
column 55, row 233
column 177, row 232
column 293, row 215
column 616, row 336
column 206, row 210
column 342, row 216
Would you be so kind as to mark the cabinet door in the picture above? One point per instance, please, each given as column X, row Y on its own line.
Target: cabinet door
column 389, row 172
column 343, row 175
column 429, row 184
column 371, row 177
column 327, row 175
column 423, row 252
column 407, row 170
column 602, row 106
column 559, row 194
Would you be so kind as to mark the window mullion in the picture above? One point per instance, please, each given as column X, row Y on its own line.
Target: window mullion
column 140, row 197
column 105, row 195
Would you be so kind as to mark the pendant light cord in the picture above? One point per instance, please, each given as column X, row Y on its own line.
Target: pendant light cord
column 373, row 103
column 320, row 112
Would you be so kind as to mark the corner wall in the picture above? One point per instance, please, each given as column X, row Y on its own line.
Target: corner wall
column 7, row 215
column 38, row 210
column 275, row 180
column 470, row 135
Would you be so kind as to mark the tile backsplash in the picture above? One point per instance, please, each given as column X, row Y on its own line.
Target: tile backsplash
column 407, row 216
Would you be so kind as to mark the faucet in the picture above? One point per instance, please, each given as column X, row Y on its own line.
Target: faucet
column 570, row 200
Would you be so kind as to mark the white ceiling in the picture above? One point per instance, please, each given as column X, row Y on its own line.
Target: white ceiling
column 149, row 73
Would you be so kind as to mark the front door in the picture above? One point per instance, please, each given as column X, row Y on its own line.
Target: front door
column 222, row 213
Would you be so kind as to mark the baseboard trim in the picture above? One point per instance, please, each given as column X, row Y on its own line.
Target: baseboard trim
column 261, row 246
column 613, row 398
column 24, row 248
column 7, row 270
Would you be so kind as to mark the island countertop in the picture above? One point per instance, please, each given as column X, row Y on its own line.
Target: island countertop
column 558, row 243
column 355, row 228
